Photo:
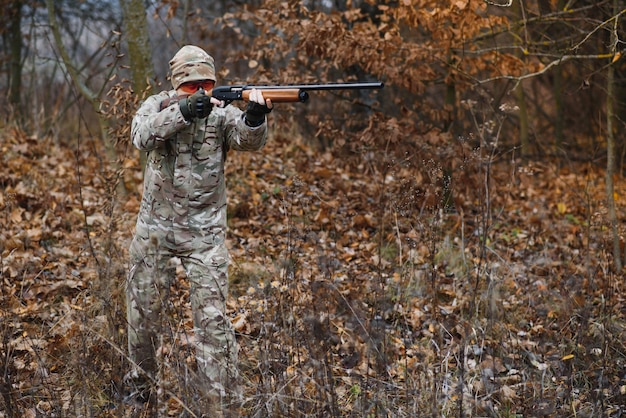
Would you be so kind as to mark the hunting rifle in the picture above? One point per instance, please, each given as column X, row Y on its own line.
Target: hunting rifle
column 289, row 93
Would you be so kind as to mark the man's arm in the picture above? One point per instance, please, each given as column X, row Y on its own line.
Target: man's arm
column 153, row 125
column 248, row 131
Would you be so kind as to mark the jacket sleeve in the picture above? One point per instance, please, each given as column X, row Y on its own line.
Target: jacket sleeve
column 152, row 125
column 241, row 137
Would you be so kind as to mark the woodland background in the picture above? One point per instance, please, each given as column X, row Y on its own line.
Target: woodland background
column 451, row 245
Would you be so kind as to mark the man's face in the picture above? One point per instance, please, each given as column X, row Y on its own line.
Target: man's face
column 191, row 87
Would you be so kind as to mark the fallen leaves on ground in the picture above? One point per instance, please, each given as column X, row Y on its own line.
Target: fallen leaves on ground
column 352, row 288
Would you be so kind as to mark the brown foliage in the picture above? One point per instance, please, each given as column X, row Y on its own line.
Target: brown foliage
column 353, row 290
column 405, row 265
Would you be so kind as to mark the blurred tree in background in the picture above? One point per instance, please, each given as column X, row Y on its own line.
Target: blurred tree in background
column 534, row 74
column 542, row 63
column 450, row 245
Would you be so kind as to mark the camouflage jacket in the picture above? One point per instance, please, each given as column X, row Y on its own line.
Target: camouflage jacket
column 184, row 195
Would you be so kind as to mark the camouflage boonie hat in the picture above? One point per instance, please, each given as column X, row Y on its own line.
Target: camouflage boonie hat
column 191, row 64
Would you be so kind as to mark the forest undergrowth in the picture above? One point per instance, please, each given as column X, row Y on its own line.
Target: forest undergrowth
column 375, row 285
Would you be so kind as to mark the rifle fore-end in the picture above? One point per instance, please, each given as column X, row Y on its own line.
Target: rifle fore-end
column 286, row 95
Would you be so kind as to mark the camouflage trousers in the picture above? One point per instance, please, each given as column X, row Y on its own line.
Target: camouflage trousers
column 147, row 291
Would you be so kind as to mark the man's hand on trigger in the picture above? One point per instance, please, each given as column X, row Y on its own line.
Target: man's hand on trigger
column 198, row 105
column 257, row 108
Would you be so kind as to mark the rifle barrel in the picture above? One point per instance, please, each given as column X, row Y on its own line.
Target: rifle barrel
column 326, row 86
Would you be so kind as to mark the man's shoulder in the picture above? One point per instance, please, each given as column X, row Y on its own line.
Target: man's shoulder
column 163, row 95
column 163, row 99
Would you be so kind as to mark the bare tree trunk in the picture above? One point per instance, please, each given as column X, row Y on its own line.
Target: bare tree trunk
column 15, row 70
column 610, row 147
column 557, row 88
column 523, row 121
column 519, row 90
column 559, row 119
column 139, row 51
column 186, row 10
column 450, row 106
column 91, row 97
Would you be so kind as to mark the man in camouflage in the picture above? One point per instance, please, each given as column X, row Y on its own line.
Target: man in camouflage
column 186, row 134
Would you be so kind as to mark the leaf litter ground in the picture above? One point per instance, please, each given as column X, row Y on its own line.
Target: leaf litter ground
column 353, row 291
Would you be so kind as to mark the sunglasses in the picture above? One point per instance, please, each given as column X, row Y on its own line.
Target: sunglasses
column 193, row 86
